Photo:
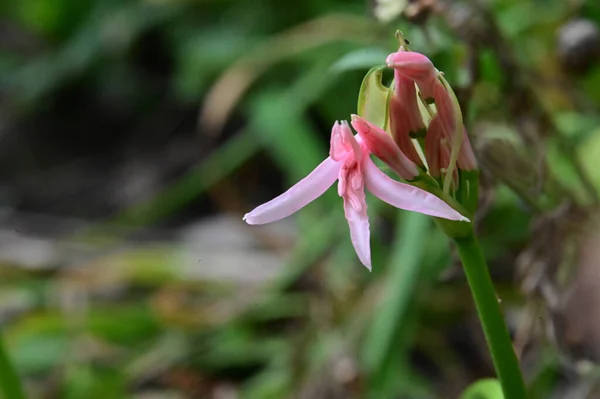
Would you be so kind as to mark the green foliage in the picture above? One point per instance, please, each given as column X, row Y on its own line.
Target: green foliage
column 483, row 389
column 373, row 98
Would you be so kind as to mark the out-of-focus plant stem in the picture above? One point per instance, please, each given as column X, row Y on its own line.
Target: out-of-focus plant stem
column 490, row 316
column 10, row 385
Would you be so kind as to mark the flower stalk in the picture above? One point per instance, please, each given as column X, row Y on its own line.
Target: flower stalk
column 490, row 316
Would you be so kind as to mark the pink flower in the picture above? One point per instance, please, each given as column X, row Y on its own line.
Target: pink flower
column 350, row 164
column 418, row 68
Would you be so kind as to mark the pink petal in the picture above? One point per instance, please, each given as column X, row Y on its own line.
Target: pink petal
column 406, row 95
column 417, row 67
column 383, row 146
column 298, row 196
column 405, row 196
column 337, row 149
column 436, row 153
column 446, row 107
column 351, row 141
column 358, row 221
column 466, row 157
column 343, row 142
column 401, row 129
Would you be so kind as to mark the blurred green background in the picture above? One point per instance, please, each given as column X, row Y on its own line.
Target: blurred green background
column 135, row 134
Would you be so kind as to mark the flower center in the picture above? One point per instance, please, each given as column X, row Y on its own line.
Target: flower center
column 351, row 183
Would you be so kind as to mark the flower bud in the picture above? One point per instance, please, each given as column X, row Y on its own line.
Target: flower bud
column 437, row 151
column 399, row 124
column 449, row 113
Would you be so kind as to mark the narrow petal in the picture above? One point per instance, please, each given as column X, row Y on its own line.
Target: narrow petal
column 358, row 221
column 405, row 196
column 406, row 95
column 351, row 141
column 448, row 110
column 437, row 155
column 337, row 150
column 384, row 147
column 401, row 130
column 298, row 196
column 417, row 67
column 466, row 157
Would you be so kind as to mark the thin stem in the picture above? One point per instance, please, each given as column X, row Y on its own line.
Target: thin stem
column 10, row 385
column 492, row 321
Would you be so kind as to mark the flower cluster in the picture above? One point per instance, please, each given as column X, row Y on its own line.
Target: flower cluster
column 444, row 142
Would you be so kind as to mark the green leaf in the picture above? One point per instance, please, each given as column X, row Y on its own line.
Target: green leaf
column 93, row 382
column 402, row 277
column 488, row 388
column 359, row 59
column 373, row 98
column 39, row 353
column 272, row 383
column 577, row 126
column 107, row 323
column 589, row 153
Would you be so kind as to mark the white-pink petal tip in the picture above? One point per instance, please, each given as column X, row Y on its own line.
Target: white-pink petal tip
column 248, row 219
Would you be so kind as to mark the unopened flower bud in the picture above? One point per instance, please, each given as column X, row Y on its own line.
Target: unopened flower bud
column 406, row 94
column 437, row 151
column 449, row 114
column 399, row 124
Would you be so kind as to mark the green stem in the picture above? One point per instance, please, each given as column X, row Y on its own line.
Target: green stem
column 10, row 385
column 492, row 321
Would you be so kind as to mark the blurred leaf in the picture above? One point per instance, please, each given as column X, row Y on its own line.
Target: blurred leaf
column 278, row 306
column 577, row 126
column 400, row 283
column 39, row 353
column 359, row 59
column 162, row 354
column 510, row 220
column 373, row 98
column 484, row 389
column 546, row 375
column 202, row 55
column 108, row 29
column 238, row 347
column 563, row 169
column 273, row 383
column 589, row 153
column 227, row 91
column 125, row 325
column 147, row 265
column 94, row 382
column 43, row 16
column 293, row 144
